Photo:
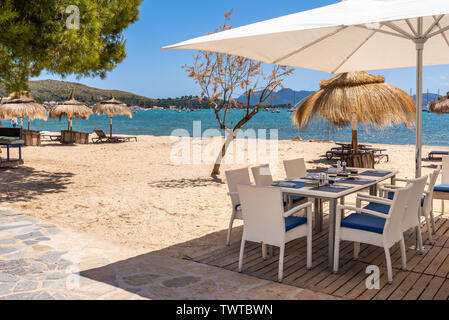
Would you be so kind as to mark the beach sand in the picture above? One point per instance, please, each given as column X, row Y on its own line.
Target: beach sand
column 134, row 196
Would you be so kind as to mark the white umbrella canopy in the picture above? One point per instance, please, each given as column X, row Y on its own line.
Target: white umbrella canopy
column 348, row 36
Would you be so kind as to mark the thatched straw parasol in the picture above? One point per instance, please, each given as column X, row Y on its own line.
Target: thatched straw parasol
column 440, row 105
column 112, row 107
column 357, row 97
column 70, row 109
column 22, row 105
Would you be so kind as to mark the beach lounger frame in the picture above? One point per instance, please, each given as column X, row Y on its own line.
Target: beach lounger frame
column 103, row 138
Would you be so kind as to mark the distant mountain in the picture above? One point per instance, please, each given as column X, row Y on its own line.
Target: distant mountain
column 52, row 90
column 427, row 98
column 282, row 97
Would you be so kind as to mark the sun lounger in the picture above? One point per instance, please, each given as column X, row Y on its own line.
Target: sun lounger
column 103, row 138
column 437, row 153
column 51, row 137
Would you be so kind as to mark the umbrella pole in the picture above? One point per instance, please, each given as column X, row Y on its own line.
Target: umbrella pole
column 29, row 123
column 355, row 142
column 110, row 126
column 419, row 79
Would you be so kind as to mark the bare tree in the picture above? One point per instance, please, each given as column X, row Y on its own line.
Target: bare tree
column 223, row 77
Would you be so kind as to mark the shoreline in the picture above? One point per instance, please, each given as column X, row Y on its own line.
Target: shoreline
column 281, row 140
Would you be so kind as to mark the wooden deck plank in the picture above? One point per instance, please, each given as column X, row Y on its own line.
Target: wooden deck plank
column 443, row 270
column 405, row 286
column 418, row 287
column 432, row 289
column 437, row 262
column 443, row 292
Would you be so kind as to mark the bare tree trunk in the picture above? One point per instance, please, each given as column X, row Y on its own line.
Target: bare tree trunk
column 222, row 154
column 229, row 139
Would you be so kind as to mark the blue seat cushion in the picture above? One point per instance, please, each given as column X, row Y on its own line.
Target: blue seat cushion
column 378, row 207
column 296, row 199
column 364, row 222
column 442, row 188
column 293, row 222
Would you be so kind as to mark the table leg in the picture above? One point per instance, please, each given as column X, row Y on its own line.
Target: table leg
column 373, row 190
column 318, row 215
column 7, row 152
column 342, row 202
column 332, row 214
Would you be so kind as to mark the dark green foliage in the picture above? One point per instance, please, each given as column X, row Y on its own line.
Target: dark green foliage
column 34, row 36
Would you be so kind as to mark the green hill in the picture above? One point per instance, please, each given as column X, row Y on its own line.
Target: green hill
column 52, row 90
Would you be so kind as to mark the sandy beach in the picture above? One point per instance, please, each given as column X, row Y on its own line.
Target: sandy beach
column 133, row 195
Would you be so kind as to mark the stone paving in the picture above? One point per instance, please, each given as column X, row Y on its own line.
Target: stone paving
column 39, row 261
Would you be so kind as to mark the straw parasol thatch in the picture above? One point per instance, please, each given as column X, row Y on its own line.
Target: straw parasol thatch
column 440, row 105
column 70, row 109
column 357, row 97
column 22, row 105
column 112, row 107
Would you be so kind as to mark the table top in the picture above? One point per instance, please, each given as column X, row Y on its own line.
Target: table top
column 342, row 187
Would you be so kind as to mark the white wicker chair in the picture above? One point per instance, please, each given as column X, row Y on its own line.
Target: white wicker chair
column 374, row 228
column 295, row 168
column 265, row 222
column 234, row 178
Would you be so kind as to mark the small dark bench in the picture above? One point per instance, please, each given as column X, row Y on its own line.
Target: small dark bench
column 11, row 137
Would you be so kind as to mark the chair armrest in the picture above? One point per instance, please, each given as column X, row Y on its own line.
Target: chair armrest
column 233, row 193
column 296, row 209
column 361, row 210
column 390, row 186
column 374, row 199
column 402, row 180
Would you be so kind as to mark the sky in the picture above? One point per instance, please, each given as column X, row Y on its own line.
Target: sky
column 155, row 73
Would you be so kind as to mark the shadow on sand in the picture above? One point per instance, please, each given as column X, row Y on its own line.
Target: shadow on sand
column 25, row 183
column 185, row 183
column 134, row 273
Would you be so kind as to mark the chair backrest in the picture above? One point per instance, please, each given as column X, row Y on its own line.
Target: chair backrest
column 413, row 204
column 233, row 179
column 445, row 171
column 262, row 175
column 427, row 205
column 100, row 133
column 295, row 168
column 393, row 230
column 262, row 209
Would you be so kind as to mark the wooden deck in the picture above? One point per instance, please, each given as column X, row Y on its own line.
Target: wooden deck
column 427, row 277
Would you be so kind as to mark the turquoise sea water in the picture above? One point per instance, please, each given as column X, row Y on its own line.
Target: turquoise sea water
column 163, row 122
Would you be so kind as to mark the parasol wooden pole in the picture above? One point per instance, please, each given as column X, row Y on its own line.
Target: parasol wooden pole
column 110, row 126
column 29, row 123
column 355, row 142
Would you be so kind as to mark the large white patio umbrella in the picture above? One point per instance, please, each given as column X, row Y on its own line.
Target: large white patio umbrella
column 352, row 35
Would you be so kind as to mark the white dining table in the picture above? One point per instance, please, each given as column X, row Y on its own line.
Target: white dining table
column 343, row 187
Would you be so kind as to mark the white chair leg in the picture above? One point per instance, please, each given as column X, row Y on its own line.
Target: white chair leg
column 432, row 220
column 420, row 242
column 264, row 251
column 356, row 250
column 309, row 244
column 403, row 255
column 231, row 223
column 281, row 262
column 242, row 251
column 389, row 270
column 429, row 229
